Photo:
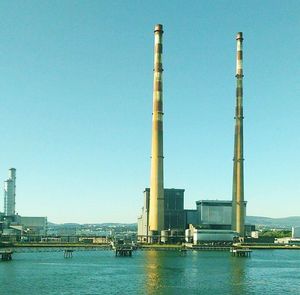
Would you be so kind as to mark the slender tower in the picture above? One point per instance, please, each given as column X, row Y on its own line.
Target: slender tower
column 156, row 214
column 238, row 207
column 10, row 193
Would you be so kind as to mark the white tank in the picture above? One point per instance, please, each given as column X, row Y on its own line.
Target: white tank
column 165, row 236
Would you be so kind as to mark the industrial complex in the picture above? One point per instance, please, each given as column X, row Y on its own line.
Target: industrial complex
column 12, row 225
column 163, row 217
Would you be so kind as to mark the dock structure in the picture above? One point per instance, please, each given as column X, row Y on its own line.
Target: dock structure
column 240, row 252
column 6, row 255
column 210, row 248
column 124, row 251
column 68, row 253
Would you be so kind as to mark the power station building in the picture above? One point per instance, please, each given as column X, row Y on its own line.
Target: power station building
column 174, row 213
column 210, row 221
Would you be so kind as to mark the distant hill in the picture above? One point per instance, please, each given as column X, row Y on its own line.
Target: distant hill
column 76, row 225
column 286, row 222
column 259, row 221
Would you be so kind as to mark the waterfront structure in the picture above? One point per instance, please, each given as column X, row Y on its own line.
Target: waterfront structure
column 213, row 222
column 238, row 214
column 174, row 213
column 10, row 193
column 211, row 217
column 156, row 214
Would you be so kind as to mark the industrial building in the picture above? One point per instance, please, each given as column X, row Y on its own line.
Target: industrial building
column 216, row 213
column 198, row 235
column 174, row 214
column 11, row 223
column 33, row 225
column 214, row 222
column 294, row 240
column 22, row 225
column 211, row 217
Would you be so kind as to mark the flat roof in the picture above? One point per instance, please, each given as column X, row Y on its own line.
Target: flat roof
column 215, row 202
column 168, row 189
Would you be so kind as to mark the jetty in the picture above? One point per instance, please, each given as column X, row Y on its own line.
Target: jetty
column 124, row 250
column 240, row 252
column 68, row 253
column 6, row 255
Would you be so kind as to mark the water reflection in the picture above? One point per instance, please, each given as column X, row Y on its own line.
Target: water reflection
column 237, row 275
column 154, row 271
column 206, row 272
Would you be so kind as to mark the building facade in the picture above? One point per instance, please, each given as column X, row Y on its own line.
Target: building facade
column 216, row 214
column 174, row 214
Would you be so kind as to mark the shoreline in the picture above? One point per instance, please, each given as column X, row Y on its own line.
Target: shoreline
column 168, row 247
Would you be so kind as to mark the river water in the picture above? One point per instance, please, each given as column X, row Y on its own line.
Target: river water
column 152, row 272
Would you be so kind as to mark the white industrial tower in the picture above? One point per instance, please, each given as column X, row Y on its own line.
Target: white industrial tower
column 10, row 193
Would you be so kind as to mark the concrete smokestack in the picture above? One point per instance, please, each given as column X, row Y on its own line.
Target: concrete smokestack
column 156, row 214
column 238, row 207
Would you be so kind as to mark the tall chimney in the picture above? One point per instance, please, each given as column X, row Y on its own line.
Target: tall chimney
column 10, row 193
column 156, row 217
column 238, row 207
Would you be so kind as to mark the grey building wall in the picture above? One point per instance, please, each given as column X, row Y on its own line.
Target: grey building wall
column 36, row 225
column 215, row 212
column 143, row 220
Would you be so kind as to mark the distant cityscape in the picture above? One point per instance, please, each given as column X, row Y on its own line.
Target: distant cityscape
column 14, row 227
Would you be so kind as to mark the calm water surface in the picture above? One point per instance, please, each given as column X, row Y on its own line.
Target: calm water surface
column 152, row 272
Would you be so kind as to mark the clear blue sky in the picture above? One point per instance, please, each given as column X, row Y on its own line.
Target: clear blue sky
column 76, row 103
